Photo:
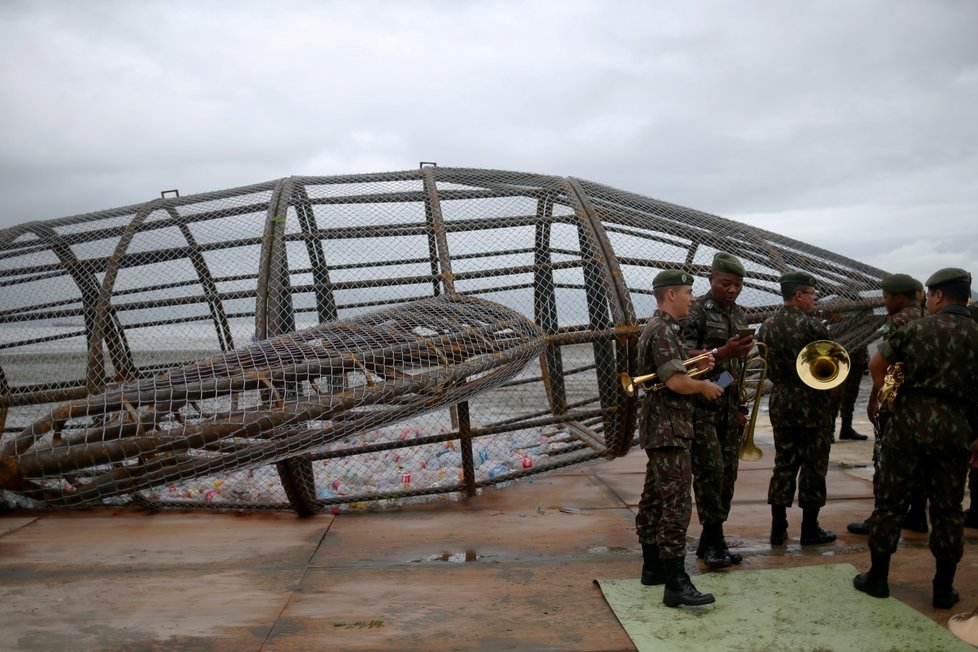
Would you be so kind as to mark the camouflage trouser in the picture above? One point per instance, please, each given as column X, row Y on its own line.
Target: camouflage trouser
column 878, row 430
column 944, row 468
column 665, row 506
column 802, row 454
column 716, row 460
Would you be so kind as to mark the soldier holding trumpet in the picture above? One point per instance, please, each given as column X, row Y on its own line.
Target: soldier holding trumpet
column 666, row 434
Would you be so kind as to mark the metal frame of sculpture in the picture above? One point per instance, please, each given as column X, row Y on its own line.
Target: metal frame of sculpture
column 351, row 341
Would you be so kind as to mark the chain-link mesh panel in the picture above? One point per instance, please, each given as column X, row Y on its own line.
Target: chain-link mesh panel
column 161, row 353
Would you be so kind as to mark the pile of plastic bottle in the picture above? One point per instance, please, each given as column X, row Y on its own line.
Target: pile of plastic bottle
column 375, row 479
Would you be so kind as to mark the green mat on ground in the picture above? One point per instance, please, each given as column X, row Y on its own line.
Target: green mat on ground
column 810, row 608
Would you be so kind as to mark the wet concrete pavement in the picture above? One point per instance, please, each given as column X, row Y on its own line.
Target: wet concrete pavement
column 509, row 570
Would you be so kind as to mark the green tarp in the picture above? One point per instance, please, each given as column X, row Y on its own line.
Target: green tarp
column 810, row 608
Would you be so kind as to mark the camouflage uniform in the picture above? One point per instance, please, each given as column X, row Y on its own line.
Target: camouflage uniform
column 801, row 417
column 893, row 323
column 929, row 427
column 971, row 515
column 665, row 432
column 716, row 446
column 858, row 364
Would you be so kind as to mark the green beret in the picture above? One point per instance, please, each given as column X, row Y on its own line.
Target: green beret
column 798, row 278
column 899, row 283
column 948, row 275
column 724, row 262
column 669, row 277
column 918, row 285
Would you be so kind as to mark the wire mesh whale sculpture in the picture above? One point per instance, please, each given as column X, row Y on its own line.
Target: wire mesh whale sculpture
column 270, row 400
column 162, row 354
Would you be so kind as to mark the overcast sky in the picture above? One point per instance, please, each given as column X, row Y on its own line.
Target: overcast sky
column 849, row 125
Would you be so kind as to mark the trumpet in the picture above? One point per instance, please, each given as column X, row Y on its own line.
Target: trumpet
column 823, row 364
column 651, row 381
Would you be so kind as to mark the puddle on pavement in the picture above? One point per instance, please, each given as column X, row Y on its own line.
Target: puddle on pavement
column 605, row 549
column 453, row 557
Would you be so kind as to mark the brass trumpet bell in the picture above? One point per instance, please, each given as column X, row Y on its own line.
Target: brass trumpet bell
column 823, row 364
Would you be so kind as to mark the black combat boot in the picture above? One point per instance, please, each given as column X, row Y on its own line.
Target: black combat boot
column 779, row 524
column 848, row 433
column 713, row 553
column 874, row 582
column 679, row 588
column 945, row 595
column 859, row 527
column 735, row 558
column 811, row 533
column 652, row 573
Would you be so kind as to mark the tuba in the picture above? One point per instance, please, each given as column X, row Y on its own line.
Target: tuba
column 752, row 374
column 823, row 364
column 650, row 381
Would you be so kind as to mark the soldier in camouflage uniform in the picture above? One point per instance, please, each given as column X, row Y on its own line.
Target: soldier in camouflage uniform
column 801, row 416
column 916, row 518
column 971, row 514
column 666, row 432
column 928, row 426
column 858, row 363
column 713, row 323
column 900, row 301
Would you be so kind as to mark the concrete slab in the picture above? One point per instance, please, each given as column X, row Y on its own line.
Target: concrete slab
column 511, row 569
column 487, row 536
column 549, row 605
column 94, row 580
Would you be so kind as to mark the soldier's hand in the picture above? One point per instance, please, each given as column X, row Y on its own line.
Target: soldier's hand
column 710, row 390
column 872, row 409
column 708, row 362
column 736, row 347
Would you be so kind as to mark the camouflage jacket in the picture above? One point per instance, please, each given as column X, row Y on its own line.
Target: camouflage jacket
column 899, row 320
column 793, row 404
column 665, row 417
column 940, row 357
column 709, row 326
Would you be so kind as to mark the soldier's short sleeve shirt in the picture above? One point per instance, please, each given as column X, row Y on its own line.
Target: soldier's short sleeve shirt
column 666, row 416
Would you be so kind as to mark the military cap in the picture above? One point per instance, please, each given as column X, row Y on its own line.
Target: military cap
column 918, row 285
column 798, row 278
column 899, row 283
column 724, row 262
column 948, row 275
column 669, row 277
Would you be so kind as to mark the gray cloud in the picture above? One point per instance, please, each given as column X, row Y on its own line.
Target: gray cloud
column 848, row 125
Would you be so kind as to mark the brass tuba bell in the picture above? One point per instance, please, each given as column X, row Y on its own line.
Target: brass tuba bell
column 823, row 364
